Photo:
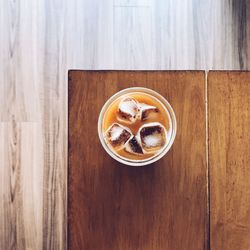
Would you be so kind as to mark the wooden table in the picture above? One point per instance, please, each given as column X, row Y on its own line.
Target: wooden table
column 187, row 200
column 229, row 159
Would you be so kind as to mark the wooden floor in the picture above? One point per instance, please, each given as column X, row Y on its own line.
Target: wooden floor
column 40, row 40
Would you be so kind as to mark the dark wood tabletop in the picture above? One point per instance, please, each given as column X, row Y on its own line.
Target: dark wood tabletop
column 160, row 206
column 229, row 159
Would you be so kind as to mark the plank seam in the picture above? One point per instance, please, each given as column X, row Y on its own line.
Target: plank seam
column 207, row 159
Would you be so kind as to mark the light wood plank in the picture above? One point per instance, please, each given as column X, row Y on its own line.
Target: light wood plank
column 132, row 38
column 132, row 3
column 229, row 147
column 22, row 203
column 35, row 90
column 54, row 124
column 18, row 67
column 6, row 82
column 89, row 34
column 201, row 34
column 6, row 220
column 31, row 182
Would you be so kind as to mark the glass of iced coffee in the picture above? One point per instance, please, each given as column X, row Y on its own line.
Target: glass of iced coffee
column 137, row 126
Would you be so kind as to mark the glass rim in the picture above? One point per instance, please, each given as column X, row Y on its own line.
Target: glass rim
column 163, row 102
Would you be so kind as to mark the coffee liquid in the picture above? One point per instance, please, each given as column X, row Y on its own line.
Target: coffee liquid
column 111, row 116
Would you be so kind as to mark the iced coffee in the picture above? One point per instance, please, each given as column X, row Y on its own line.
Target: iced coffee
column 136, row 126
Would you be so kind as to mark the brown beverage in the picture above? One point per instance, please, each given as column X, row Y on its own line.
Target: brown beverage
column 136, row 126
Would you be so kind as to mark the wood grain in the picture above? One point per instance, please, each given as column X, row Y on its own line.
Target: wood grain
column 128, row 43
column 229, row 147
column 21, row 224
column 41, row 40
column 112, row 206
column 33, row 85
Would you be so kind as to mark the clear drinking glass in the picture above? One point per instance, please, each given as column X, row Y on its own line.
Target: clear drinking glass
column 170, row 137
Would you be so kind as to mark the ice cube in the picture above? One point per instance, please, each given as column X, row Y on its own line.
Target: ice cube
column 117, row 135
column 128, row 110
column 152, row 136
column 148, row 111
column 133, row 146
